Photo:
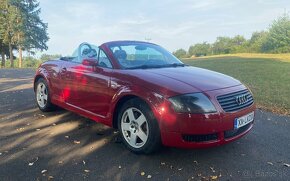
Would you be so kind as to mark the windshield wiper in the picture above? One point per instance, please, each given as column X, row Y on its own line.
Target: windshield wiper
column 175, row 65
column 158, row 66
column 145, row 67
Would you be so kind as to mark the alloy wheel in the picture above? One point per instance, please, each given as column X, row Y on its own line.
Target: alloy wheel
column 134, row 127
column 41, row 95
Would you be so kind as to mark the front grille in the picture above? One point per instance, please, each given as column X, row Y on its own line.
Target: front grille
column 200, row 138
column 229, row 101
column 235, row 132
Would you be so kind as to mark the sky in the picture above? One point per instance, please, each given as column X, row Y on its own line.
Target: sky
column 172, row 24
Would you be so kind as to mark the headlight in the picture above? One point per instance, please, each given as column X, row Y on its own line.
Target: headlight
column 192, row 103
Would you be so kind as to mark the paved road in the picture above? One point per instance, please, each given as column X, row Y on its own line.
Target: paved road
column 64, row 146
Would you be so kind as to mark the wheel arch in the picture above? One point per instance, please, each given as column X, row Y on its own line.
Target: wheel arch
column 37, row 77
column 118, row 106
column 149, row 98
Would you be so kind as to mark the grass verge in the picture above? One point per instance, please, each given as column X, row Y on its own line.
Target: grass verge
column 281, row 57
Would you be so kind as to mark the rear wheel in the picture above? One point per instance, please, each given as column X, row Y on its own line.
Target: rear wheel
column 138, row 127
column 42, row 96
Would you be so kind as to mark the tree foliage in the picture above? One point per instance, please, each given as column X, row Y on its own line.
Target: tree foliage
column 278, row 39
column 180, row 53
column 257, row 42
column 8, row 21
column 200, row 49
column 275, row 40
column 21, row 27
column 45, row 57
column 32, row 32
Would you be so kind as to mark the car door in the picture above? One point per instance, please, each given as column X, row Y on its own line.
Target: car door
column 53, row 70
column 87, row 87
column 96, row 93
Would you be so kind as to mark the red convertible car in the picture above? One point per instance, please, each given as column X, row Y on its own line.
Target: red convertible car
column 148, row 94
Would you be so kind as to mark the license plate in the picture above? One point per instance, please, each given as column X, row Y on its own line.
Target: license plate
column 244, row 120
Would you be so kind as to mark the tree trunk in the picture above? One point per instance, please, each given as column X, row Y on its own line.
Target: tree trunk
column 11, row 55
column 20, row 57
column 3, row 59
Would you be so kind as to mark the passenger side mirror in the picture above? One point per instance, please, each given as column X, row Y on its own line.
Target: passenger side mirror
column 90, row 62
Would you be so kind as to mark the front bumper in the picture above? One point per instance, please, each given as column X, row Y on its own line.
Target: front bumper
column 204, row 130
column 174, row 139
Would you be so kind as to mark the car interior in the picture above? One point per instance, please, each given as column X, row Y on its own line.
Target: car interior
column 88, row 51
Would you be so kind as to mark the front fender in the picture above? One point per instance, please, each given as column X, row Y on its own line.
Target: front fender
column 154, row 100
column 41, row 72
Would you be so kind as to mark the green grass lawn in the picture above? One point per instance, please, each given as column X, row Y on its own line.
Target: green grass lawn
column 269, row 79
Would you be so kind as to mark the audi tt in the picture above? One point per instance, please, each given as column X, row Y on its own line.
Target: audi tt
column 148, row 94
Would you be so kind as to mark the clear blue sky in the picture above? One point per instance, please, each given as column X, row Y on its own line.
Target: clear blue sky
column 171, row 23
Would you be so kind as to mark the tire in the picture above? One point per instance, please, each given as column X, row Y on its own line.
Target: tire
column 42, row 96
column 138, row 127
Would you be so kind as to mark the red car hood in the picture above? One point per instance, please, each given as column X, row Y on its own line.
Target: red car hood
column 182, row 80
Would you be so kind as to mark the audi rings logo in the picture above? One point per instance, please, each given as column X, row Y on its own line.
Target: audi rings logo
column 242, row 99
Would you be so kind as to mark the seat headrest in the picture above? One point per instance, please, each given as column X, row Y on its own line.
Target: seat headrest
column 120, row 54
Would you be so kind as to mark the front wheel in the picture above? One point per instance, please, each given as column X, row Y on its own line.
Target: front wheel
column 42, row 96
column 138, row 127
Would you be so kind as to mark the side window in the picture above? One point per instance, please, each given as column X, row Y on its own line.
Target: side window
column 104, row 60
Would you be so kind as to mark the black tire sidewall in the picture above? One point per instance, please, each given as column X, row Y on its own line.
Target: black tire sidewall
column 153, row 142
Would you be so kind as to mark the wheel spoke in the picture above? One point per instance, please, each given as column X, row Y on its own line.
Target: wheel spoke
column 141, row 119
column 130, row 115
column 39, row 88
column 142, row 135
column 43, row 88
column 133, row 139
column 126, row 126
column 45, row 97
column 42, row 101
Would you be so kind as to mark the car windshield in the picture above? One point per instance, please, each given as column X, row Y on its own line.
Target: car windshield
column 134, row 55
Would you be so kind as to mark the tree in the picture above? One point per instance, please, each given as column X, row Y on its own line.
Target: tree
column 22, row 27
column 180, row 53
column 31, row 62
column 226, row 45
column 45, row 57
column 222, row 45
column 31, row 31
column 4, row 52
column 275, row 40
column 8, row 26
column 256, row 41
column 200, row 49
column 278, row 39
column 2, row 44
column 237, row 44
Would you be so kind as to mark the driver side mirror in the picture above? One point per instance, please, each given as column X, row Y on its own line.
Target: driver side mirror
column 90, row 62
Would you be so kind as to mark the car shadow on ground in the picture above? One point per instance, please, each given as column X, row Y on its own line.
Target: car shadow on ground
column 61, row 141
